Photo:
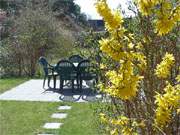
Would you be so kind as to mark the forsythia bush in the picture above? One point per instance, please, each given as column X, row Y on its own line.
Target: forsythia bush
column 142, row 82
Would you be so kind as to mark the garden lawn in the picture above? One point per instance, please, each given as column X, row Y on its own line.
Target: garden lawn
column 8, row 83
column 28, row 118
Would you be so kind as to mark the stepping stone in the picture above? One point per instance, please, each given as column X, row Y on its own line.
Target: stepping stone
column 64, row 107
column 59, row 115
column 45, row 134
column 52, row 125
column 99, row 96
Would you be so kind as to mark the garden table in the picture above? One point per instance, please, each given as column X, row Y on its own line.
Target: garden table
column 75, row 64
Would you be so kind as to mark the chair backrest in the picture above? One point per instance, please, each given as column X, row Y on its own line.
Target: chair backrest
column 65, row 68
column 84, row 66
column 43, row 62
column 75, row 58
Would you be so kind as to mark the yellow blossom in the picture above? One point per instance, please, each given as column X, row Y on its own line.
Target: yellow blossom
column 178, row 78
column 164, row 25
column 178, row 111
column 166, row 14
column 103, row 117
column 114, row 132
column 113, row 20
column 142, row 124
column 166, row 103
column 163, row 69
column 123, row 83
column 102, row 66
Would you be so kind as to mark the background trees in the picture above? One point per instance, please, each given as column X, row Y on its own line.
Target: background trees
column 35, row 33
column 34, row 30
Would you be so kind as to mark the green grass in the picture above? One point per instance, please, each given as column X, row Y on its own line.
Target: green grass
column 27, row 118
column 80, row 121
column 8, row 83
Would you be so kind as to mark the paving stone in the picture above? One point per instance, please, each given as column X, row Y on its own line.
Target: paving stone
column 45, row 134
column 64, row 107
column 32, row 91
column 52, row 125
column 59, row 115
column 99, row 96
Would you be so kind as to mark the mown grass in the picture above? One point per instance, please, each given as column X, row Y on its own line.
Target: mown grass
column 8, row 83
column 23, row 118
column 28, row 118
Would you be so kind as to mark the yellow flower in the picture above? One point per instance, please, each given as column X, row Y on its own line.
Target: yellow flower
column 102, row 66
column 166, row 103
column 142, row 124
column 124, row 84
column 166, row 14
column 178, row 111
column 114, row 132
column 163, row 69
column 178, row 78
column 103, row 117
column 164, row 25
column 113, row 20
column 145, row 6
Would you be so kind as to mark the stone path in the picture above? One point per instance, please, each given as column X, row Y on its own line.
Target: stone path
column 32, row 91
column 45, row 134
column 59, row 115
column 52, row 125
column 56, row 125
column 64, row 107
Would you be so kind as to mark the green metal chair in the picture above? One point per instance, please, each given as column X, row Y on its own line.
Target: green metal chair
column 75, row 58
column 66, row 71
column 48, row 71
column 85, row 72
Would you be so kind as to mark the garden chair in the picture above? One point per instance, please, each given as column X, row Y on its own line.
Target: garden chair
column 66, row 71
column 84, row 72
column 75, row 58
column 48, row 71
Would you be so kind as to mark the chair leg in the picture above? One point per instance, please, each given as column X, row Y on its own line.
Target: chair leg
column 72, row 86
column 80, row 84
column 54, row 82
column 77, row 81
column 44, row 81
column 49, row 79
column 96, row 80
column 61, row 84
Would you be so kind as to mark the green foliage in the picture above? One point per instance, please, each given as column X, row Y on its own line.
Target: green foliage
column 68, row 7
column 33, row 34
column 88, row 46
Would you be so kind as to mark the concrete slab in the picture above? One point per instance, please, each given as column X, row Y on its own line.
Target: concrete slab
column 64, row 107
column 52, row 125
column 45, row 134
column 32, row 91
column 59, row 115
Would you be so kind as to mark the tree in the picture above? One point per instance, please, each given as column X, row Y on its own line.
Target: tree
column 68, row 7
column 35, row 33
